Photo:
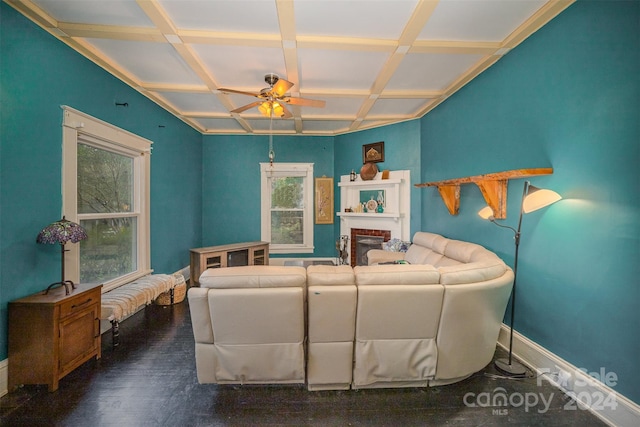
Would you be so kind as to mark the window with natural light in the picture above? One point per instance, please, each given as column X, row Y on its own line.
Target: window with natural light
column 287, row 207
column 106, row 190
column 106, row 210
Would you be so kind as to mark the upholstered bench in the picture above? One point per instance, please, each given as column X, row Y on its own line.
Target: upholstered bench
column 128, row 299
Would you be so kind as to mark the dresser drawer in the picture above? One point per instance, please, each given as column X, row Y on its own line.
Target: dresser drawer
column 80, row 302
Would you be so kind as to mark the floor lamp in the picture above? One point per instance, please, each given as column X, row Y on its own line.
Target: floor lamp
column 533, row 198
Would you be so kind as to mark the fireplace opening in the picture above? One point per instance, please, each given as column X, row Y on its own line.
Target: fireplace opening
column 363, row 240
column 363, row 245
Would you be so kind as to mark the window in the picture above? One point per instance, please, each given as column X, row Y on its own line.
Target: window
column 106, row 190
column 287, row 207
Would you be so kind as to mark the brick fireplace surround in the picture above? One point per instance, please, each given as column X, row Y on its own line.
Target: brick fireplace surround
column 385, row 234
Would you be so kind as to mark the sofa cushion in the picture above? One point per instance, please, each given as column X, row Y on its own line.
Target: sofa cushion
column 396, row 274
column 472, row 272
column 427, row 248
column 417, row 254
column 462, row 251
column 257, row 316
column 254, row 276
column 433, row 241
column 328, row 275
column 421, row 255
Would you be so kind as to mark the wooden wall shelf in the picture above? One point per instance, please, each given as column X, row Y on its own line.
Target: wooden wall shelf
column 493, row 187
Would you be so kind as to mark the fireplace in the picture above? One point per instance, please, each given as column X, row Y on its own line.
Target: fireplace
column 393, row 222
column 362, row 240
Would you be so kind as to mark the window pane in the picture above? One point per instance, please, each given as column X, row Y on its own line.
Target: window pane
column 287, row 193
column 287, row 227
column 110, row 249
column 105, row 181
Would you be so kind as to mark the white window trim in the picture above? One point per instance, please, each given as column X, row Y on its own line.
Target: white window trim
column 80, row 126
column 267, row 170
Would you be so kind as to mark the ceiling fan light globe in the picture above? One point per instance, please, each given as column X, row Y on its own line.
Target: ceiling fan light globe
column 278, row 110
column 265, row 108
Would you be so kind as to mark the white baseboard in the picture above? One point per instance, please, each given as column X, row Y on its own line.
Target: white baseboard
column 4, row 377
column 590, row 392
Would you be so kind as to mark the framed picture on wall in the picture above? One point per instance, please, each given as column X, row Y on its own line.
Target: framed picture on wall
column 373, row 153
column 324, row 200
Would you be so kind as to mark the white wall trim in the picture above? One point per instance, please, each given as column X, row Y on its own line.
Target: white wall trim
column 616, row 411
column 4, row 377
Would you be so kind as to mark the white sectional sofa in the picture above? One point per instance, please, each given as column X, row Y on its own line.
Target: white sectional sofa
column 431, row 322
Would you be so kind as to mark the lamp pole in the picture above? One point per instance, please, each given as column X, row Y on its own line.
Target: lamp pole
column 508, row 366
column 533, row 198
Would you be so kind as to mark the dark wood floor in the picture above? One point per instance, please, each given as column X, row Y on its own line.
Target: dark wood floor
column 150, row 380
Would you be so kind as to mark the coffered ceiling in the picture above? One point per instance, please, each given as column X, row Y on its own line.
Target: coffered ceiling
column 374, row 62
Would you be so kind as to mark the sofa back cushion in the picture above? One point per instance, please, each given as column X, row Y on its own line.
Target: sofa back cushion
column 427, row 248
column 462, row 251
column 396, row 274
column 472, row 272
column 330, row 275
column 458, row 252
column 254, row 276
column 257, row 316
column 432, row 241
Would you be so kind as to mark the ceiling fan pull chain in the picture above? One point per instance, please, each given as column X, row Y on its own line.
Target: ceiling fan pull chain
column 272, row 154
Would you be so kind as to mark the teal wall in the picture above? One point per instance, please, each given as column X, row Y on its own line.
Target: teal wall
column 38, row 74
column 569, row 98
column 231, row 185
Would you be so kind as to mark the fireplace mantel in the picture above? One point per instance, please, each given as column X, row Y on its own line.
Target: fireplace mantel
column 396, row 215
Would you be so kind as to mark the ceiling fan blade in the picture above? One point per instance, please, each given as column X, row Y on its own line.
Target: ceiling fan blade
column 241, row 92
column 285, row 112
column 305, row 102
column 281, row 87
column 246, row 107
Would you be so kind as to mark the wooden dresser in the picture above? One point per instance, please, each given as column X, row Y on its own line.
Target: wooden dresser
column 51, row 335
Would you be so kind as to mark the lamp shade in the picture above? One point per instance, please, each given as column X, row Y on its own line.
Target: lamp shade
column 61, row 231
column 485, row 213
column 538, row 198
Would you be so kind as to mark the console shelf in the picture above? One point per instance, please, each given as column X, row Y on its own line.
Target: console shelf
column 493, row 187
column 235, row 254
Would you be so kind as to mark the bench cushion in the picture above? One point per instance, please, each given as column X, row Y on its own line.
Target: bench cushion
column 125, row 300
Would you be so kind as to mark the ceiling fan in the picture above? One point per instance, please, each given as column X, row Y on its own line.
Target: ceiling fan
column 273, row 98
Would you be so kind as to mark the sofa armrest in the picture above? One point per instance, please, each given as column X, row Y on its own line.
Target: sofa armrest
column 376, row 256
column 200, row 317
